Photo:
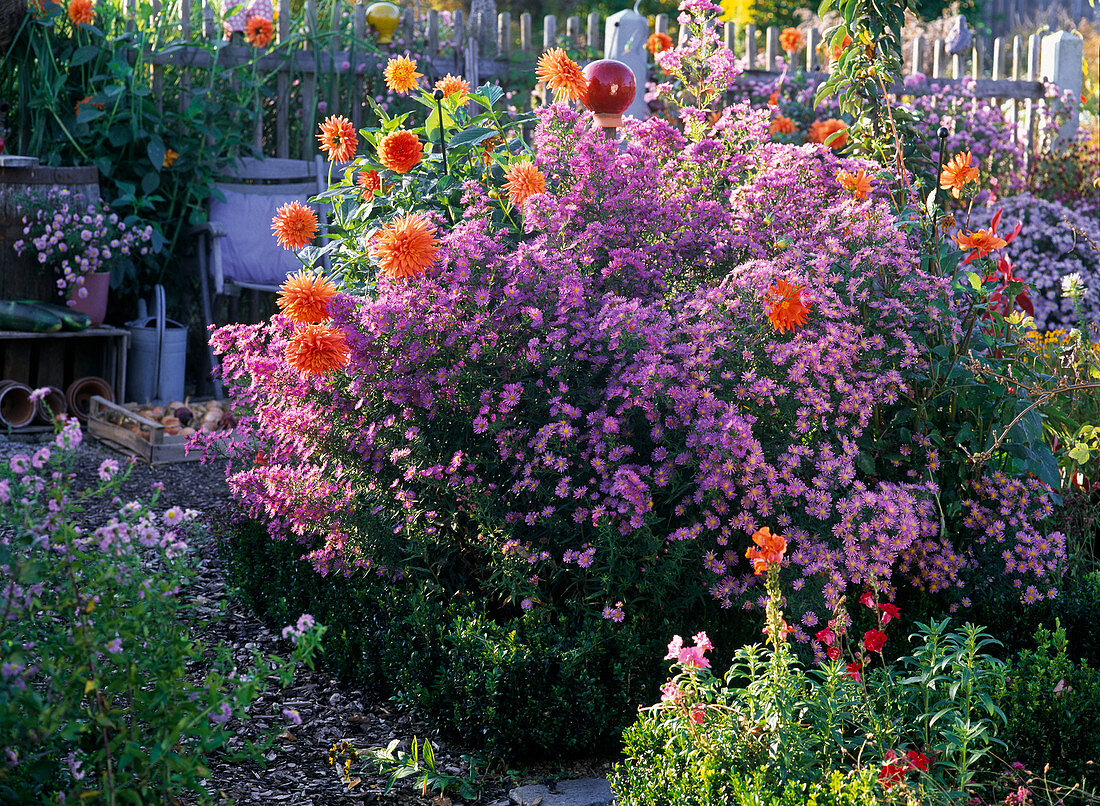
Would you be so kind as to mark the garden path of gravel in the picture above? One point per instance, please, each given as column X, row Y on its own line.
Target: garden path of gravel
column 297, row 770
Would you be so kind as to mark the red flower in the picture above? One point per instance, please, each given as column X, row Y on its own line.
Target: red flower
column 833, row 652
column 826, row 636
column 853, row 671
column 889, row 612
column 874, row 640
column 892, row 772
column 917, row 761
column 867, row 599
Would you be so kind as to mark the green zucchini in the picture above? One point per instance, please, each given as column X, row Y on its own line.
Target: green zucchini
column 27, row 318
column 70, row 319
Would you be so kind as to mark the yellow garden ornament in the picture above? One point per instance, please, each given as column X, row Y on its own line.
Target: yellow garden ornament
column 383, row 17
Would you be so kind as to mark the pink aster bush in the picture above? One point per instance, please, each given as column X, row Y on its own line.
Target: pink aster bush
column 579, row 420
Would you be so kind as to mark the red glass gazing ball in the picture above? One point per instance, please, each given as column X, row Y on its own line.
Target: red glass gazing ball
column 611, row 88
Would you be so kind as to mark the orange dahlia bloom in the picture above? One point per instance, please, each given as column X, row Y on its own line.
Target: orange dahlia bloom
column 839, row 49
column 453, row 85
column 304, row 298
column 957, row 173
column 259, row 32
column 88, row 100
column 981, row 241
column 791, row 40
column 770, row 552
column 858, row 184
column 786, row 310
column 658, row 42
column 317, row 349
column 81, row 12
column 822, row 129
column 523, row 181
column 405, row 247
column 401, row 75
column 400, row 151
column 562, row 75
column 782, row 125
column 338, row 139
column 294, row 225
column 369, row 182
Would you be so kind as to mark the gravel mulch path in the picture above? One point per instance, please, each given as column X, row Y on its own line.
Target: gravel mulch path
column 296, row 769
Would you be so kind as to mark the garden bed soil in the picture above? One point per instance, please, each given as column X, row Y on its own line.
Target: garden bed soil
column 296, row 769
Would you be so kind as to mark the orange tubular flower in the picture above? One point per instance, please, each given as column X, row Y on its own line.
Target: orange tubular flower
column 838, row 51
column 81, row 12
column 170, row 157
column 369, row 182
column 305, row 298
column 562, row 75
column 981, row 242
column 400, row 151
column 658, row 42
column 524, row 180
column 405, row 247
column 822, row 129
column 88, row 100
column 782, row 125
column 317, row 350
column 401, row 75
column 259, row 32
column 338, row 139
column 958, row 173
column 791, row 40
column 294, row 225
column 453, row 85
column 770, row 552
column 858, row 184
column 786, row 310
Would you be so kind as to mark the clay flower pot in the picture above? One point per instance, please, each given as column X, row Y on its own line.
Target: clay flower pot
column 16, row 408
column 611, row 88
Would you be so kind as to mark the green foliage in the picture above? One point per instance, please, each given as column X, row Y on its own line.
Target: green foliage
column 1053, row 709
column 418, row 762
column 105, row 696
column 458, row 657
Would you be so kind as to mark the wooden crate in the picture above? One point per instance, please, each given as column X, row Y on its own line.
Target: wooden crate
column 111, row 425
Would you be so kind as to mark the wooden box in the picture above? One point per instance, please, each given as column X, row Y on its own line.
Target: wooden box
column 125, row 430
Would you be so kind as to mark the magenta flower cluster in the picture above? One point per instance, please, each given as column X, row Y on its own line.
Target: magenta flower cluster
column 603, row 400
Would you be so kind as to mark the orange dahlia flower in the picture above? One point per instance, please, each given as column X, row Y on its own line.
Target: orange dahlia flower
column 980, row 241
column 400, row 151
column 294, row 225
column 405, row 247
column 838, row 51
column 338, row 139
column 791, row 40
column 401, row 75
column 781, row 125
column 259, row 32
column 453, row 85
column 88, row 100
column 821, row 130
column 858, row 184
column 523, row 181
column 81, row 12
column 369, row 182
column 958, row 173
column 317, row 350
column 304, row 298
column 786, row 309
column 658, row 42
column 770, row 551
column 562, row 75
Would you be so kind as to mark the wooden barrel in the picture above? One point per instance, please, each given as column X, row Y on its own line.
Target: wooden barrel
column 20, row 277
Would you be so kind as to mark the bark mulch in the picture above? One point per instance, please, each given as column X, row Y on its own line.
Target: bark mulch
column 296, row 769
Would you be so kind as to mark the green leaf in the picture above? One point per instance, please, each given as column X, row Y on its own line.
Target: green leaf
column 155, row 150
column 470, row 137
column 85, row 54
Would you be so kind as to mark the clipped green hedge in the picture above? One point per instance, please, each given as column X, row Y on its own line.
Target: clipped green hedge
column 516, row 686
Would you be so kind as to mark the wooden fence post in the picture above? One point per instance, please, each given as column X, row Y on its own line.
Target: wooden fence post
column 918, row 56
column 660, row 24
column 729, row 37
column 1032, row 109
column 526, row 44
column 593, row 41
column 433, row 32
column 937, row 59
column 750, row 46
column 813, row 41
column 573, row 30
column 1061, row 62
column 549, row 32
column 771, row 47
column 504, row 35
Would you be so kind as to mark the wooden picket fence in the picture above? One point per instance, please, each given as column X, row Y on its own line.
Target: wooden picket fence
column 1002, row 17
column 484, row 49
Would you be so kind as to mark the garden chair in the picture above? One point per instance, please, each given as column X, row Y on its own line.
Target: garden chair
column 236, row 248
